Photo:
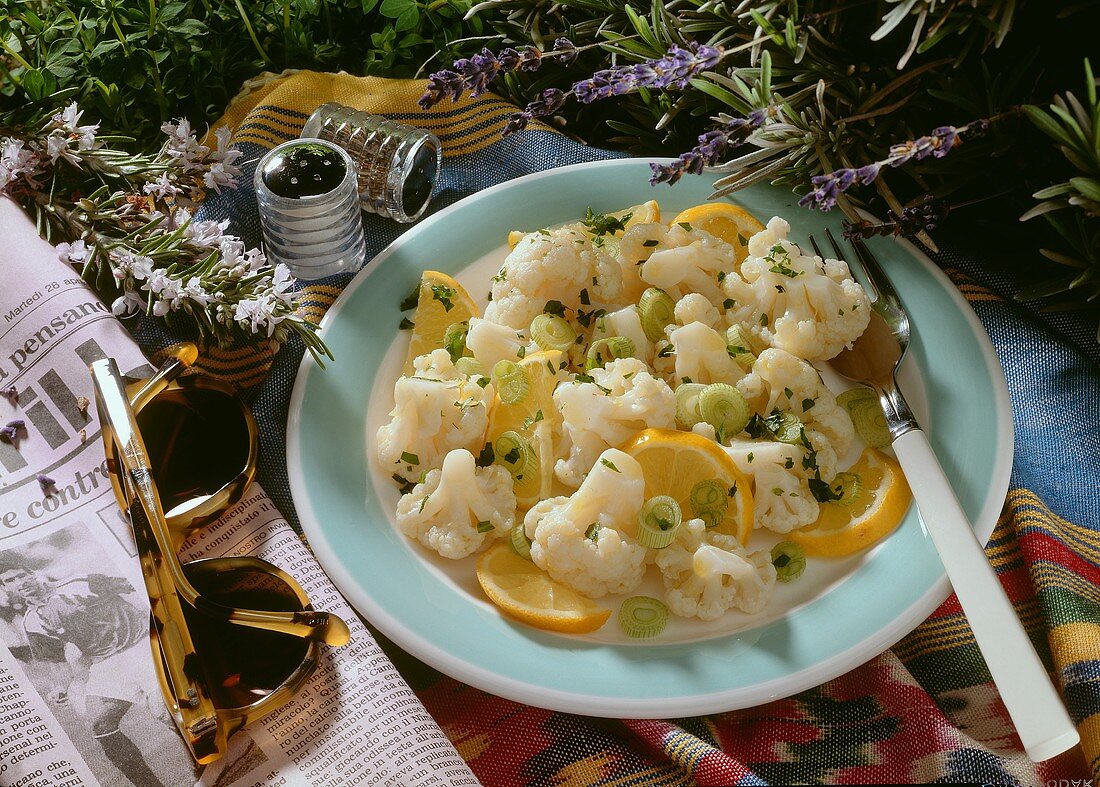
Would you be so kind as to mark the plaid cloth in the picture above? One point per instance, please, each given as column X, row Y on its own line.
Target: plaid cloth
column 924, row 711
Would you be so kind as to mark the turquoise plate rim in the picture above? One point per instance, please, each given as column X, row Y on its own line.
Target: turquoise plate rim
column 893, row 591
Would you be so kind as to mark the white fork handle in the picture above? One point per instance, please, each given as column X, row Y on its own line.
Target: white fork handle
column 1032, row 701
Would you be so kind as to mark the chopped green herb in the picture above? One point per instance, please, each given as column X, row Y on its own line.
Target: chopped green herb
column 410, row 459
column 551, row 368
column 721, row 276
column 822, row 492
column 789, row 463
column 666, row 351
column 522, row 351
column 556, row 308
column 405, row 324
column 404, row 485
column 484, row 526
column 444, row 295
column 777, row 491
column 729, row 303
column 685, row 225
column 807, row 404
column 733, row 491
column 483, row 381
column 411, row 299
column 593, row 532
column 764, row 319
column 649, row 244
column 502, row 276
column 584, row 378
column 789, row 393
column 423, row 502
column 779, row 288
column 602, row 224
column 512, row 456
column 610, row 465
column 487, row 456
column 543, row 231
column 584, row 297
column 750, row 457
column 742, row 239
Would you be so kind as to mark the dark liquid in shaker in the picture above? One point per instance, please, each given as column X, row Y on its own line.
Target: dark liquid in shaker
column 305, row 170
column 417, row 187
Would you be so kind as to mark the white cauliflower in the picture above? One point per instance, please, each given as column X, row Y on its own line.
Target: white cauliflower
column 782, row 499
column 457, row 509
column 694, row 307
column 554, row 265
column 623, row 399
column 706, row 574
column 625, row 322
column 586, row 540
column 700, row 355
column 490, row 342
column 689, row 261
column 810, row 307
column 436, row 409
column 780, row 381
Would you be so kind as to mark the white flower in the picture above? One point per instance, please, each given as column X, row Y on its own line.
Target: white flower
column 65, row 131
column 162, row 187
column 168, row 291
column 257, row 313
column 195, row 291
column 129, row 265
column 183, row 146
column 205, row 234
column 75, row 253
column 221, row 174
column 130, row 302
column 16, row 162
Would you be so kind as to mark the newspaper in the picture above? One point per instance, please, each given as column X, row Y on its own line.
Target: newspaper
column 79, row 703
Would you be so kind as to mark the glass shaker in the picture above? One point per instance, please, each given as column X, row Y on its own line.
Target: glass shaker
column 398, row 164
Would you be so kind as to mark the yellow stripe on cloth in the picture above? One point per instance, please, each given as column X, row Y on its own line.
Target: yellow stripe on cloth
column 274, row 107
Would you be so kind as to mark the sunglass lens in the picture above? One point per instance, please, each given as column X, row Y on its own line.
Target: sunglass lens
column 197, row 442
column 243, row 664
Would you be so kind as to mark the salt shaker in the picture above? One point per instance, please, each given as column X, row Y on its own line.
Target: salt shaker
column 309, row 208
column 398, row 164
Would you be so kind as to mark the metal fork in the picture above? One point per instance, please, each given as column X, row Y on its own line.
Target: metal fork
column 1037, row 711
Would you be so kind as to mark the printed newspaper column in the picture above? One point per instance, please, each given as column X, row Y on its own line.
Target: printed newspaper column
column 79, row 703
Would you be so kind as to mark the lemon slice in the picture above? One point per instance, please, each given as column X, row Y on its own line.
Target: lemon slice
column 514, row 237
column 845, row 527
column 442, row 302
column 646, row 213
column 731, row 223
column 526, row 593
column 699, row 475
column 535, row 419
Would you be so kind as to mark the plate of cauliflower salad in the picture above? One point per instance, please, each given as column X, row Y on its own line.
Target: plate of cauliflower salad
column 633, row 424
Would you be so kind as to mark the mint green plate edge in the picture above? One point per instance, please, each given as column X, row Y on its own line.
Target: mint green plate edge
column 897, row 587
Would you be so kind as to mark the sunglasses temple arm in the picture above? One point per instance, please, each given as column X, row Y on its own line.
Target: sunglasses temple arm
column 183, row 355
column 192, row 700
column 316, row 626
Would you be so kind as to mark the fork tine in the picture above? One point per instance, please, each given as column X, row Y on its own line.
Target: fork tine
column 840, row 255
column 817, row 249
column 876, row 275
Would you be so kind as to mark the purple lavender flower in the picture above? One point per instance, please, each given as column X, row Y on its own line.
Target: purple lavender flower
column 672, row 70
column 9, row 433
column 476, row 73
column 923, row 217
column 12, row 394
column 566, row 51
column 548, row 102
column 47, row 484
column 712, row 146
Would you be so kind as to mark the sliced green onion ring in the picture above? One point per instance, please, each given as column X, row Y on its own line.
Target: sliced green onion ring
column 656, row 309
column 709, row 500
column 724, row 407
column 789, row 561
column 790, row 429
column 470, row 367
column 512, row 381
column 643, row 617
column 454, row 339
column 603, row 351
column 658, row 522
column 552, row 333
column 516, row 455
column 687, row 404
column 739, row 347
column 863, row 406
column 520, row 544
column 849, row 486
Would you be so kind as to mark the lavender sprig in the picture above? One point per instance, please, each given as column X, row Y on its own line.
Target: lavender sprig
column 548, row 102
column 826, row 188
column 9, row 433
column 712, row 147
column 923, row 217
column 672, row 70
column 474, row 74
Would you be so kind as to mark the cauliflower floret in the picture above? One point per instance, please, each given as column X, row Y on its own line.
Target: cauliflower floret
column 586, row 540
column 706, row 574
column 810, row 307
column 782, row 499
column 625, row 322
column 689, row 261
column 553, row 265
column 491, row 342
column 456, row 510
column 623, row 399
column 436, row 409
column 694, row 307
column 700, row 355
column 779, row 380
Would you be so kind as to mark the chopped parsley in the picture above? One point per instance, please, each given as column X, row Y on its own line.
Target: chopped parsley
column 780, row 259
column 405, row 324
column 685, row 225
column 556, row 308
column 529, row 421
column 602, row 224
column 764, row 319
column 550, row 366
column 423, row 502
column 807, row 404
column 750, row 457
column 789, row 393
column 484, row 526
column 482, row 381
column 410, row 459
column 822, row 492
column 729, row 303
column 502, row 276
column 666, row 351
column 411, row 299
column 593, row 532
column 522, row 351
column 404, row 485
column 444, row 295
column 742, row 239
column 610, row 465
column 649, row 244
column 512, row 456
column 584, row 297
column 487, row 456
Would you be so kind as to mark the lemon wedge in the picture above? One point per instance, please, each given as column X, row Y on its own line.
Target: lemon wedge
column 646, row 213
column 699, row 475
column 535, row 419
column 731, row 223
column 844, row 527
column 524, row 591
column 442, row 302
